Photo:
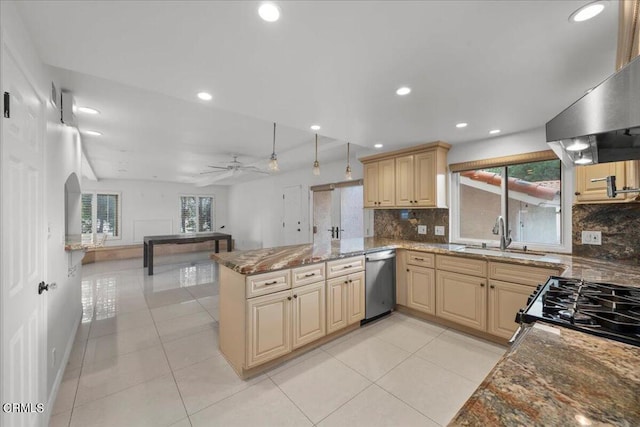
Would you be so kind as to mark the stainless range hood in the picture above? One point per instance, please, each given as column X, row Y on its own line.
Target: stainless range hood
column 602, row 126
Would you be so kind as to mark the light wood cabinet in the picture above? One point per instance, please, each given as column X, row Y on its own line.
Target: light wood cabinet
column 412, row 177
column 340, row 267
column 421, row 289
column 268, row 327
column 404, row 181
column 596, row 192
column 462, row 299
column 308, row 313
column 345, row 301
column 416, row 180
column 505, row 299
column 379, row 188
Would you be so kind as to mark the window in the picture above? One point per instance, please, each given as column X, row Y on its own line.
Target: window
column 100, row 215
column 196, row 214
column 527, row 195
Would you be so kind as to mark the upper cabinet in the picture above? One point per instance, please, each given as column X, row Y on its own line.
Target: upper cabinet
column 596, row 192
column 410, row 178
column 380, row 190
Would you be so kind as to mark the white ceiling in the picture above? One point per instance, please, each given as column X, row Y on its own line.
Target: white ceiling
column 494, row 64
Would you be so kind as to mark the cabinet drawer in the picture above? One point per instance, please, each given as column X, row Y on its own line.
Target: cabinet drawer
column 344, row 266
column 421, row 259
column 473, row 267
column 522, row 274
column 267, row 283
column 308, row 274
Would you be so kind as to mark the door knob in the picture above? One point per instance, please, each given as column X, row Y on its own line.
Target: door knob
column 42, row 287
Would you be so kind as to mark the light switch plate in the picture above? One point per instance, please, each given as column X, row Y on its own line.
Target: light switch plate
column 422, row 229
column 439, row 230
column 592, row 238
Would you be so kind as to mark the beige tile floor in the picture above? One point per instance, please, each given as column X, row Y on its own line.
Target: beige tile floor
column 146, row 354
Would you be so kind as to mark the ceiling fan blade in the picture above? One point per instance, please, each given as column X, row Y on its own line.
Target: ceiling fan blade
column 218, row 167
column 213, row 179
column 208, row 172
column 254, row 169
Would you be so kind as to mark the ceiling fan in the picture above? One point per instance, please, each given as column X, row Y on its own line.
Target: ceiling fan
column 234, row 167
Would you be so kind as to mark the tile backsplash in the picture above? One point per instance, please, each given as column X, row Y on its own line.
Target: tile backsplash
column 619, row 224
column 403, row 224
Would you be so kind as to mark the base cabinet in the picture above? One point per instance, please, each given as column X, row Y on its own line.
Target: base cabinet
column 345, row 301
column 505, row 299
column 269, row 327
column 280, row 322
column 308, row 310
column 421, row 289
column 462, row 299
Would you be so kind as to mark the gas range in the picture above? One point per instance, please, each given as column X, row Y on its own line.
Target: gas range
column 606, row 310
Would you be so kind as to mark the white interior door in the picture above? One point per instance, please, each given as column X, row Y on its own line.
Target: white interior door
column 23, row 321
column 292, row 224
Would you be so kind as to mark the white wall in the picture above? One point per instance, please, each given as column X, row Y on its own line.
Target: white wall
column 505, row 145
column 62, row 158
column 256, row 206
column 155, row 206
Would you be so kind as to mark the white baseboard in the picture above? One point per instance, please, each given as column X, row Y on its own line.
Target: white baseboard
column 56, row 384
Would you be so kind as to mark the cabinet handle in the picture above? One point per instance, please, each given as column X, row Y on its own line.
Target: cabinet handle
column 407, row 270
column 482, row 285
column 310, row 275
column 577, row 193
column 295, row 296
column 350, row 281
column 419, row 259
column 346, row 282
column 348, row 266
column 271, row 283
column 492, row 287
column 289, row 298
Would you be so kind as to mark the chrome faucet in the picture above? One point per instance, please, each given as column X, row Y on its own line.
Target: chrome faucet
column 499, row 229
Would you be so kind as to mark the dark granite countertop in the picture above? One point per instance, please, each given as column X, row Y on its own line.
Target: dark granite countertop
column 555, row 376
column 269, row 259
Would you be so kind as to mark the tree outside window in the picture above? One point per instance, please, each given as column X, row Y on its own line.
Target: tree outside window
column 196, row 214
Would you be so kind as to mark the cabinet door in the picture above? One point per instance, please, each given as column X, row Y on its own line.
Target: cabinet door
column 355, row 298
column 425, row 179
column 309, row 308
column 386, row 182
column 462, row 299
column 505, row 299
column 336, row 304
column 371, row 185
column 587, row 191
column 421, row 289
column 404, row 181
column 269, row 327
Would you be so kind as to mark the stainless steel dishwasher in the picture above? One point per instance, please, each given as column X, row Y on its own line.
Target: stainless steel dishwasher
column 380, row 283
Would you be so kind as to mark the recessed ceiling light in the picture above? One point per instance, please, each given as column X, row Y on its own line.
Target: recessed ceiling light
column 494, row 131
column 587, row 11
column 205, row 96
column 461, row 125
column 93, row 132
column 315, row 127
column 378, row 145
column 404, row 90
column 88, row 110
column 269, row 12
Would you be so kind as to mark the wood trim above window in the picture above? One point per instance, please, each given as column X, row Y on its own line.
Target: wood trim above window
column 536, row 156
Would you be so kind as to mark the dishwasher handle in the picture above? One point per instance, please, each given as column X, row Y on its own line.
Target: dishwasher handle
column 381, row 255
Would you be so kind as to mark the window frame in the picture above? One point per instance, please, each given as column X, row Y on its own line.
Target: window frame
column 566, row 193
column 94, row 213
column 197, row 197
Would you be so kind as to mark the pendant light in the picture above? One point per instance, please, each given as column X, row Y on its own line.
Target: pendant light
column 347, row 174
column 273, row 161
column 316, row 164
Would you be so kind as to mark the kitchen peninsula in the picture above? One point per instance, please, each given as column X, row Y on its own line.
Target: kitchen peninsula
column 522, row 375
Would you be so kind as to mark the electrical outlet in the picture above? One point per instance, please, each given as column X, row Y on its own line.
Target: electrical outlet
column 422, row 229
column 592, row 238
column 439, row 230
